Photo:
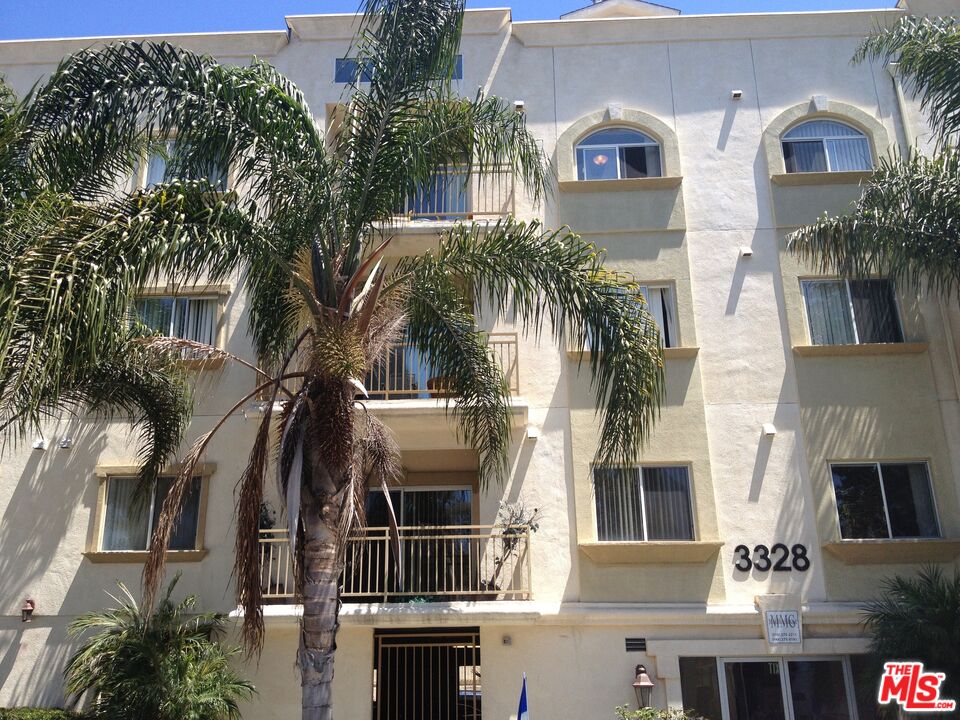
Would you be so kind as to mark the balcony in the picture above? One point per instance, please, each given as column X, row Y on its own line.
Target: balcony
column 439, row 564
column 403, row 373
column 454, row 194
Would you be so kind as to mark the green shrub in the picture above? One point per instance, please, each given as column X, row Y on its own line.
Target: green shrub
column 37, row 714
column 625, row 713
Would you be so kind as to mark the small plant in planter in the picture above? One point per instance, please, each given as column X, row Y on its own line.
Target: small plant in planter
column 648, row 713
column 513, row 517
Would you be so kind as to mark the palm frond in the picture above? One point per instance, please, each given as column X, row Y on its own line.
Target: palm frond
column 557, row 280
column 903, row 227
column 927, row 54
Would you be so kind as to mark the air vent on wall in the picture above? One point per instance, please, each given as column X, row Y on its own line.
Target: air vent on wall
column 636, row 644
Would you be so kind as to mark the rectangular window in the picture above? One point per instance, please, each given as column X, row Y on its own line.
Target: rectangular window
column 346, row 69
column 643, row 503
column 700, row 686
column 661, row 306
column 160, row 169
column 885, row 500
column 851, row 312
column 187, row 318
column 128, row 522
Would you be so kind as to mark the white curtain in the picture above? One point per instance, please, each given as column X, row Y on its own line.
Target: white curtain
column 125, row 524
column 619, row 508
column 666, row 495
column 196, row 319
column 828, row 312
column 852, row 154
column 660, row 305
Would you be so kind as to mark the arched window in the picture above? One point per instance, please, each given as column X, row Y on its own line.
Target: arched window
column 825, row 146
column 617, row 153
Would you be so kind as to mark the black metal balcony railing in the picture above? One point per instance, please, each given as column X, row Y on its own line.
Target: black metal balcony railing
column 455, row 194
column 404, row 375
column 442, row 563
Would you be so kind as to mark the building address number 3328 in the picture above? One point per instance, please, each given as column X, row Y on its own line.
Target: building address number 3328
column 778, row 558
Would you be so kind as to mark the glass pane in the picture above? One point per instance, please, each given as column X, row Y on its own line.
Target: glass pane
column 437, row 507
column 156, row 169
column 376, row 509
column 640, row 162
column 597, row 163
column 754, row 691
column 195, row 319
column 660, row 306
column 184, row 535
column 866, row 671
column 125, row 521
column 619, row 512
column 700, row 687
column 804, row 157
column 155, row 313
column 875, row 310
column 822, row 129
column 667, row 501
column 859, row 501
column 828, row 312
column 617, row 136
column 818, row 690
column 909, row 500
column 853, row 154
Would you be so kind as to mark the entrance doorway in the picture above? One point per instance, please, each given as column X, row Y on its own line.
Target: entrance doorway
column 427, row 675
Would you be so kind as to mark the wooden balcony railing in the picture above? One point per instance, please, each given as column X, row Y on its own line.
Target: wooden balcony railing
column 404, row 375
column 439, row 564
column 454, row 194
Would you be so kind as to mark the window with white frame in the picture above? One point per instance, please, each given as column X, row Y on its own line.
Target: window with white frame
column 161, row 169
column 643, row 503
column 618, row 153
column 662, row 308
column 184, row 317
column 825, row 146
column 129, row 519
column 660, row 305
column 884, row 500
column 851, row 312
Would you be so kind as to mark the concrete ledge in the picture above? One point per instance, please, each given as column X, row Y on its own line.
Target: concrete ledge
column 627, row 184
column 862, row 349
column 852, row 177
column 140, row 556
column 892, row 552
column 654, row 553
column 674, row 353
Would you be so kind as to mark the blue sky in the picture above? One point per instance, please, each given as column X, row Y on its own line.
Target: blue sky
column 66, row 18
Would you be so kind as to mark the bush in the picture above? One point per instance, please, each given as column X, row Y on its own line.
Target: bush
column 37, row 714
column 625, row 713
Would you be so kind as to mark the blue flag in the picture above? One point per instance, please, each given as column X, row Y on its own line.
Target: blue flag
column 522, row 713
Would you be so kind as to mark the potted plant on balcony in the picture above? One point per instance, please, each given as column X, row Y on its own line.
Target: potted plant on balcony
column 515, row 521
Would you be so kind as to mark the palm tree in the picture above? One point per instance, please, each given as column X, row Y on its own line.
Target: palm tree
column 309, row 232
column 906, row 226
column 919, row 619
column 167, row 665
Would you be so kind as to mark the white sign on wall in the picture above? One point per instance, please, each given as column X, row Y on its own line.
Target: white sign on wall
column 784, row 627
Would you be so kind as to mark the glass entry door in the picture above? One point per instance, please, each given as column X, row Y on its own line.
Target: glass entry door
column 786, row 689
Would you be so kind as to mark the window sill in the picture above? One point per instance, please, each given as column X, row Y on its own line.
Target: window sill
column 659, row 552
column 674, row 353
column 890, row 552
column 852, row 177
column 140, row 556
column 197, row 365
column 911, row 348
column 628, row 184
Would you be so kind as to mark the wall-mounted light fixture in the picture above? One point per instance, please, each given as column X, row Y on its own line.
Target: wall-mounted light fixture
column 736, row 94
column 746, row 251
column 642, row 686
column 519, row 106
column 26, row 612
column 769, row 429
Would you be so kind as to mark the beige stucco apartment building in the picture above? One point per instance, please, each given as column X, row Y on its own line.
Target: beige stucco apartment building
column 808, row 447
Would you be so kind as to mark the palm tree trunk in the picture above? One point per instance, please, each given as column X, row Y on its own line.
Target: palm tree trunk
column 320, row 612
